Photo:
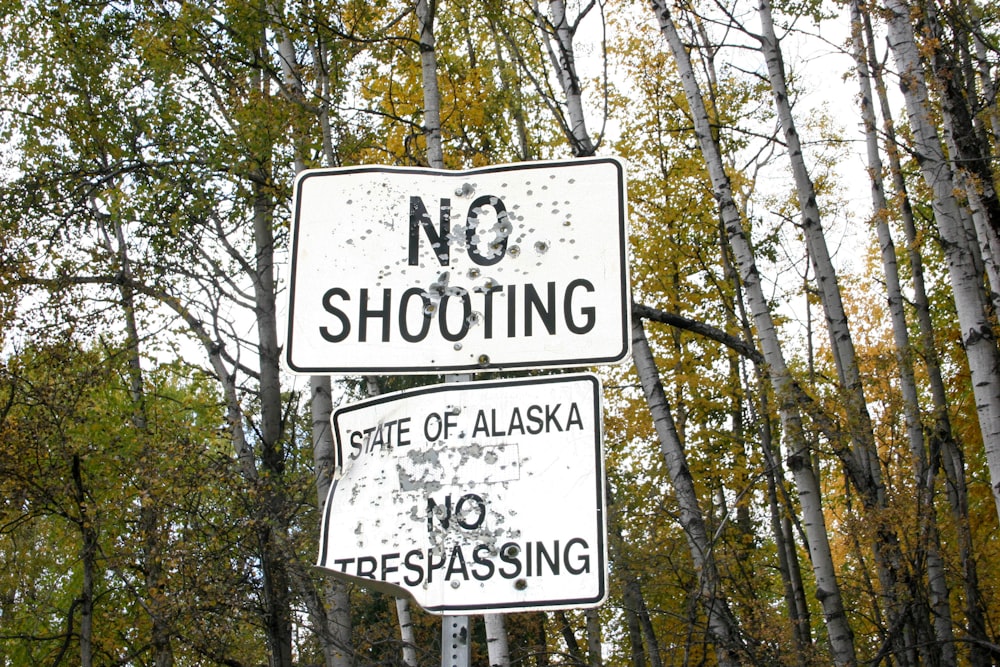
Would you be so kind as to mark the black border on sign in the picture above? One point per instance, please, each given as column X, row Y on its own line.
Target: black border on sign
column 437, row 368
column 599, row 513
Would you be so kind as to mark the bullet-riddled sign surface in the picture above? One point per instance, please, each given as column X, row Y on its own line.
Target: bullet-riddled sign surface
column 474, row 497
column 407, row 270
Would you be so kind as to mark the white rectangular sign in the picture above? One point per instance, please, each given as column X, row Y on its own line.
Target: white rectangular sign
column 473, row 497
column 410, row 270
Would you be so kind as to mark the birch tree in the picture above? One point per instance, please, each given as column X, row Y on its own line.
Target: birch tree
column 558, row 33
column 970, row 300
column 923, row 473
column 861, row 459
column 839, row 632
column 558, row 30
column 940, row 433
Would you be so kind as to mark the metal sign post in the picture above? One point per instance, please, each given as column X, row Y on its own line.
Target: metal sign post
column 455, row 645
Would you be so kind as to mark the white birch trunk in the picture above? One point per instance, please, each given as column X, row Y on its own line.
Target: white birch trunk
column 496, row 640
column 941, row 432
column 828, row 591
column 970, row 301
column 983, row 69
column 337, row 643
column 428, row 67
column 923, row 472
column 328, row 607
column 863, row 464
column 968, row 148
column 975, row 216
column 563, row 58
column 861, row 459
column 781, row 525
column 425, row 10
column 721, row 622
column 406, row 632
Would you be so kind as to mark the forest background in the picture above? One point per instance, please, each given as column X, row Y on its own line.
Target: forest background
column 803, row 457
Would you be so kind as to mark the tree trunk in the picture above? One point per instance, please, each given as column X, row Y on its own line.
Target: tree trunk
column 328, row 604
column 861, row 460
column 88, row 560
column 562, row 57
column 967, row 149
column 426, row 9
column 828, row 591
column 150, row 530
column 648, row 632
column 781, row 525
column 496, row 640
column 334, row 623
column 922, row 471
column 594, row 655
column 722, row 625
column 406, row 635
column 942, row 440
column 432, row 98
column 276, row 579
column 631, row 596
column 985, row 76
column 642, row 636
column 784, row 541
column 569, row 638
column 970, row 301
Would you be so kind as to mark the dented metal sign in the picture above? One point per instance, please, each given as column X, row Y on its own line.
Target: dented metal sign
column 410, row 270
column 475, row 497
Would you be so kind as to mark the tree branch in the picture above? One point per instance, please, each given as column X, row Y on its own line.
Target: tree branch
column 738, row 345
